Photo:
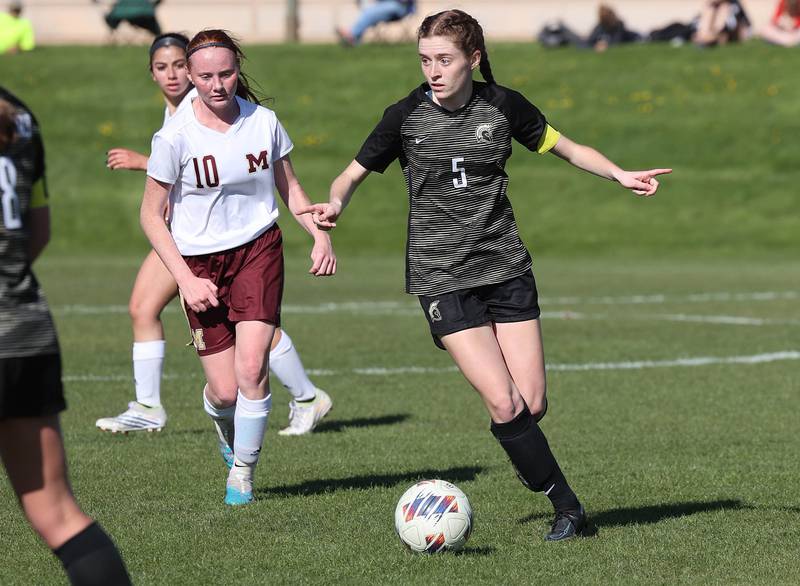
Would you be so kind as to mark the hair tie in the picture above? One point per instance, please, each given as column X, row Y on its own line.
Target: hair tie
column 196, row 48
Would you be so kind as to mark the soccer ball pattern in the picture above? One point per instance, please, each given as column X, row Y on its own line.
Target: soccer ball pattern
column 433, row 516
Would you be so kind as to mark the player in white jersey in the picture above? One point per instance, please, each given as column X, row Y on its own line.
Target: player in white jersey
column 218, row 162
column 155, row 288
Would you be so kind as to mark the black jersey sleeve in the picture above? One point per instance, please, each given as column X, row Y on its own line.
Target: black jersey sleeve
column 385, row 143
column 528, row 124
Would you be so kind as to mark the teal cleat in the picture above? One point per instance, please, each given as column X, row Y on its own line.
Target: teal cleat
column 227, row 453
column 239, row 490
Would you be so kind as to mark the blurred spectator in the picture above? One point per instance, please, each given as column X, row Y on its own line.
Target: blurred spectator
column 610, row 30
column 16, row 34
column 373, row 14
column 140, row 13
column 784, row 28
column 721, row 22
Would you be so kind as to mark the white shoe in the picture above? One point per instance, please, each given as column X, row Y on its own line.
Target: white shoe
column 304, row 417
column 138, row 417
column 239, row 488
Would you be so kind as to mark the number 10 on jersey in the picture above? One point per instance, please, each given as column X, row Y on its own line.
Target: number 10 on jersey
column 458, row 169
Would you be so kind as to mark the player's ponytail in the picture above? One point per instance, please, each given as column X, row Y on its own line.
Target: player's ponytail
column 486, row 68
column 221, row 38
column 463, row 30
column 8, row 124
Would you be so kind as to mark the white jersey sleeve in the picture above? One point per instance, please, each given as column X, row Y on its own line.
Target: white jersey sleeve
column 164, row 163
column 281, row 143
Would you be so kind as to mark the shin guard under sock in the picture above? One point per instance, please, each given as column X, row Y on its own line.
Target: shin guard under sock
column 90, row 558
column 527, row 447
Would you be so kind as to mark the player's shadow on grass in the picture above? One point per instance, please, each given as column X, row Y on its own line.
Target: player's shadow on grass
column 343, row 424
column 650, row 513
column 320, row 486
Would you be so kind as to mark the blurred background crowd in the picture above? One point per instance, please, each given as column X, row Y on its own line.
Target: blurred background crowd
column 580, row 23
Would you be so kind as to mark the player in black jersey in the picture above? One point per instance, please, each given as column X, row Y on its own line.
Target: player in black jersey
column 465, row 259
column 31, row 394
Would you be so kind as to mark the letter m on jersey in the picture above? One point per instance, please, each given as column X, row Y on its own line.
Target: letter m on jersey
column 256, row 162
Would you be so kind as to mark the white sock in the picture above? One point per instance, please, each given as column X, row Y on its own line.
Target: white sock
column 223, row 419
column 285, row 362
column 251, row 423
column 148, row 361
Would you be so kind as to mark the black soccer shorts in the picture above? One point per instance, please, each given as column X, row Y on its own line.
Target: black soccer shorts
column 510, row 301
column 31, row 386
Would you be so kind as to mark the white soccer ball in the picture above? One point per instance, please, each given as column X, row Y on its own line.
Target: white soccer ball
column 432, row 516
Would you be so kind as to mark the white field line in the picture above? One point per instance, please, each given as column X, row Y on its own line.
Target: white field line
column 733, row 320
column 412, row 308
column 587, row 366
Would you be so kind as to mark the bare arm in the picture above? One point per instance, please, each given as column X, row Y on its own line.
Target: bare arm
column 120, row 158
column 292, row 193
column 199, row 294
column 39, row 231
column 342, row 189
column 593, row 161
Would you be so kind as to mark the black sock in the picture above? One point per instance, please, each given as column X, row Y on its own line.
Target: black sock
column 91, row 559
column 530, row 454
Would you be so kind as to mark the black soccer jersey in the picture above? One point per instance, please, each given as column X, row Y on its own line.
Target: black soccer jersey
column 26, row 327
column 461, row 228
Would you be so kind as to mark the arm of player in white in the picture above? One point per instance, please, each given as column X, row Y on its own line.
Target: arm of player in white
column 342, row 189
column 199, row 294
column 590, row 160
column 323, row 259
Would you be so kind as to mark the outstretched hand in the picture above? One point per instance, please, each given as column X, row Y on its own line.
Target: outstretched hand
column 641, row 182
column 120, row 158
column 323, row 214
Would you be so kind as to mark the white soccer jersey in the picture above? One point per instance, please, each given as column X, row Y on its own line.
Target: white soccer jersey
column 187, row 99
column 223, row 185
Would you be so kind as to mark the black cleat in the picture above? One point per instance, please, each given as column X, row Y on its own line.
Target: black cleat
column 568, row 524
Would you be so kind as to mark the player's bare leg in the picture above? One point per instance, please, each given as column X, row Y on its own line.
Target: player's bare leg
column 33, row 454
column 523, row 351
column 478, row 355
column 153, row 289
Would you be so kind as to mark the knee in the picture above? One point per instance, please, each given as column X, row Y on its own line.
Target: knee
column 250, row 370
column 141, row 313
column 537, row 399
column 502, row 409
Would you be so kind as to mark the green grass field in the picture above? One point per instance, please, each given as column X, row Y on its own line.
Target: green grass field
column 672, row 334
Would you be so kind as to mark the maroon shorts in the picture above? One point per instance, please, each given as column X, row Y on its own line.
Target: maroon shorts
column 249, row 280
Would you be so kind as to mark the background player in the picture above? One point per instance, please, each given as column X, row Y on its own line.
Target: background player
column 31, row 393
column 155, row 288
column 465, row 259
column 218, row 161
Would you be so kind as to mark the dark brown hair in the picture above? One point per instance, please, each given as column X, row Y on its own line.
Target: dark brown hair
column 168, row 40
column 8, row 124
column 221, row 38
column 463, row 30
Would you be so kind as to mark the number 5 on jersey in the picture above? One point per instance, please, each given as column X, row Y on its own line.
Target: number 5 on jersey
column 461, row 180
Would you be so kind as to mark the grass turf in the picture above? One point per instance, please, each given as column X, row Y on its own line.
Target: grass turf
column 689, row 471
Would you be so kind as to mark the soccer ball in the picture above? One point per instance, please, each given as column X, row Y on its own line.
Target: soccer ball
column 432, row 516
